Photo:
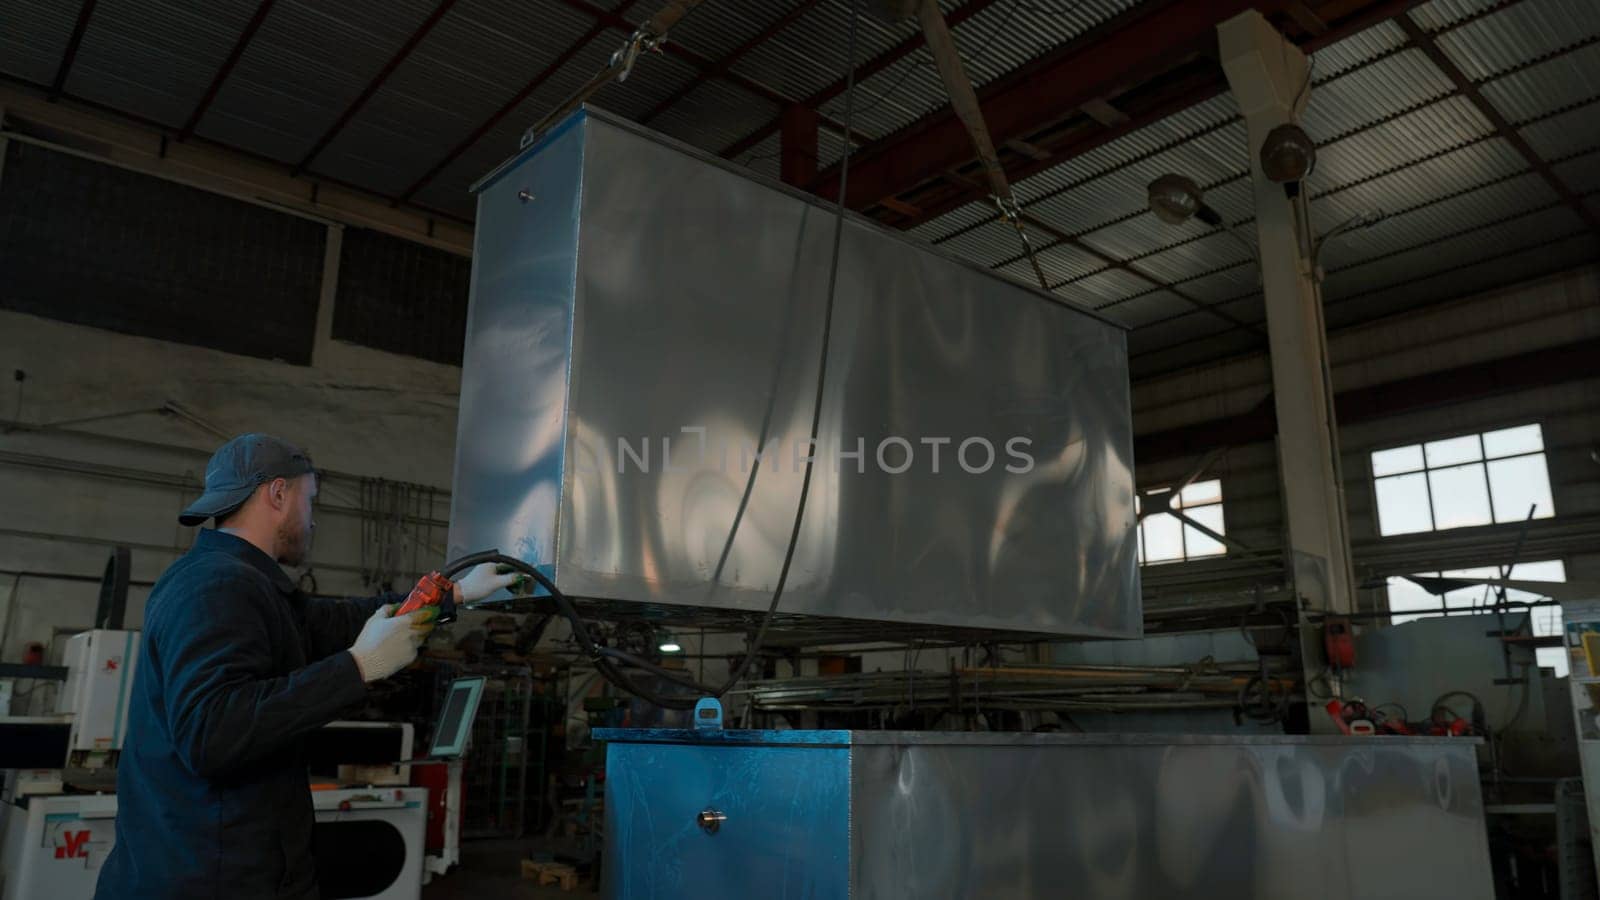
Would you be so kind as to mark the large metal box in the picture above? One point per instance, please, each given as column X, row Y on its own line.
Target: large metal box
column 645, row 319
column 877, row 815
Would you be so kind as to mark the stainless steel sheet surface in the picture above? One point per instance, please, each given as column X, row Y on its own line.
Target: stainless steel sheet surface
column 938, row 814
column 695, row 311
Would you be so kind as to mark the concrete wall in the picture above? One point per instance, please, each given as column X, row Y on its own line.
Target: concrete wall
column 87, row 462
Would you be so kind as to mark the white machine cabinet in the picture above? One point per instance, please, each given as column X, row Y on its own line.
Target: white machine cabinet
column 61, row 842
column 58, row 846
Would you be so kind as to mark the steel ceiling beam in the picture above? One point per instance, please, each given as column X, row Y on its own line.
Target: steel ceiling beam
column 724, row 64
column 1502, row 126
column 864, row 71
column 376, row 83
column 1152, row 103
column 70, row 55
column 226, row 69
column 1130, row 49
column 506, row 108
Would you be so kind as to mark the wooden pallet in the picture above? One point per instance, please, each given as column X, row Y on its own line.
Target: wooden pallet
column 559, row 874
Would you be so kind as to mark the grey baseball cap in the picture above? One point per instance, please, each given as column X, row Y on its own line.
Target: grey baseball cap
column 238, row 468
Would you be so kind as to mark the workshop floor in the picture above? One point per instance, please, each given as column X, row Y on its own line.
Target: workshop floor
column 494, row 869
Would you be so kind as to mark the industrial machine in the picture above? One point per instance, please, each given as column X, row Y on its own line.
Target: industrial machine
column 646, row 327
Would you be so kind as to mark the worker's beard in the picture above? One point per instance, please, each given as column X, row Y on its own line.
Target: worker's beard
column 294, row 543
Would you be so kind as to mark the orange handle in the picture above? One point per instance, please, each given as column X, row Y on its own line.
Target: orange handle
column 431, row 589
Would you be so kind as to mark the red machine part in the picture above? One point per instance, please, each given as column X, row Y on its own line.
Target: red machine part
column 1339, row 643
column 437, row 780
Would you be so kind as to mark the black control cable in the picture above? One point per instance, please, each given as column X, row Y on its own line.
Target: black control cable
column 609, row 659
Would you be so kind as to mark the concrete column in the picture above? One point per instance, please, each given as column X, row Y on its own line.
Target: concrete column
column 332, row 249
column 1268, row 76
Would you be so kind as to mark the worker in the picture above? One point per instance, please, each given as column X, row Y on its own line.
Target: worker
column 238, row 665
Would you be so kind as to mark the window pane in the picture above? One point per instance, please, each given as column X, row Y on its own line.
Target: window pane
column 1453, row 451
column 1405, row 596
column 1163, row 538
column 1197, row 542
column 1400, row 459
column 1201, row 492
column 1403, row 504
column 1460, row 498
column 1553, row 658
column 1518, row 483
column 1509, row 441
column 1548, row 570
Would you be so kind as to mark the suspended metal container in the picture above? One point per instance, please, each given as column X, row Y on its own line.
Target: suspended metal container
column 640, row 368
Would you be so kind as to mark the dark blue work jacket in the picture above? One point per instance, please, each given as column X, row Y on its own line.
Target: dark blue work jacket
column 237, row 666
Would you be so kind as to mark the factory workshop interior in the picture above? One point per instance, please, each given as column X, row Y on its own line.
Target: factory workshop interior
column 1118, row 449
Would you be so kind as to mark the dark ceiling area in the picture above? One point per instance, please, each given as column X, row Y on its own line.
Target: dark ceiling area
column 1467, row 129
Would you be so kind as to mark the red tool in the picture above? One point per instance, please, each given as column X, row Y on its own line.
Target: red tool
column 432, row 589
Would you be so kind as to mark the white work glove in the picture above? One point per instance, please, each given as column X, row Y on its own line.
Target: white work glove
column 387, row 645
column 482, row 580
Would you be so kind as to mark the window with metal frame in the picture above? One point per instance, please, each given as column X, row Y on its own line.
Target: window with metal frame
column 1460, row 482
column 1163, row 537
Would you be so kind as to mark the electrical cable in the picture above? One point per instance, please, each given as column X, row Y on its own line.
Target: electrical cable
column 606, row 659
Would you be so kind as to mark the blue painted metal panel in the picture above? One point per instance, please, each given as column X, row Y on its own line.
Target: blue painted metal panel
column 787, row 827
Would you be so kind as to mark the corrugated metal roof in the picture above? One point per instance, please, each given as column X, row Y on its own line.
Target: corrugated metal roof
column 1409, row 138
column 1225, row 284
column 960, row 217
column 1393, row 134
column 1441, row 175
column 1441, row 14
column 1059, row 263
column 813, row 53
column 153, row 56
column 1357, row 49
column 1519, row 33
column 1550, row 86
column 714, row 115
column 717, row 29
column 1581, row 174
column 304, row 68
column 1214, row 251
column 1401, row 82
column 1574, row 131
column 999, row 39
column 33, row 36
column 472, row 62
column 1112, row 285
